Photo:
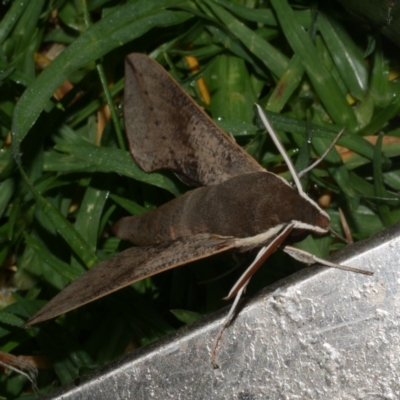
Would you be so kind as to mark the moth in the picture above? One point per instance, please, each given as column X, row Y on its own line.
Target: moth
column 238, row 204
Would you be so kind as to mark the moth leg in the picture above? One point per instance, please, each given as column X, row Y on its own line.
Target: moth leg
column 226, row 323
column 309, row 258
column 262, row 255
column 240, row 286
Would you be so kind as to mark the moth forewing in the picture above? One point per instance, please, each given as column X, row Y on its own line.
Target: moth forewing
column 166, row 129
column 127, row 267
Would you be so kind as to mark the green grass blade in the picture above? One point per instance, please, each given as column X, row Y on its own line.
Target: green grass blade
column 95, row 104
column 90, row 212
column 329, row 131
column 270, row 56
column 379, row 77
column 131, row 206
column 6, row 191
column 104, row 84
column 286, row 85
column 381, row 118
column 265, row 16
column 326, row 87
column 348, row 58
column 108, row 159
column 125, row 24
column 69, row 272
column 63, row 227
column 12, row 16
column 383, row 208
column 233, row 99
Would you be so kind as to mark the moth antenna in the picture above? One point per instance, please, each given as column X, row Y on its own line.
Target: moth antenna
column 282, row 150
column 309, row 258
column 287, row 159
column 340, row 237
column 226, row 323
column 314, row 164
column 345, row 226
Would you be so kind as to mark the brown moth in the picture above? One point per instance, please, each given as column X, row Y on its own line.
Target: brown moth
column 239, row 206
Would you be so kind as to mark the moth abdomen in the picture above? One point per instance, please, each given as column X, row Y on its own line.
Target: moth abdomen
column 244, row 206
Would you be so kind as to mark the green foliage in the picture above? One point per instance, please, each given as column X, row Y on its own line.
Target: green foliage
column 61, row 191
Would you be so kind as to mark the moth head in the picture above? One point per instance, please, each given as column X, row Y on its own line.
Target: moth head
column 312, row 220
